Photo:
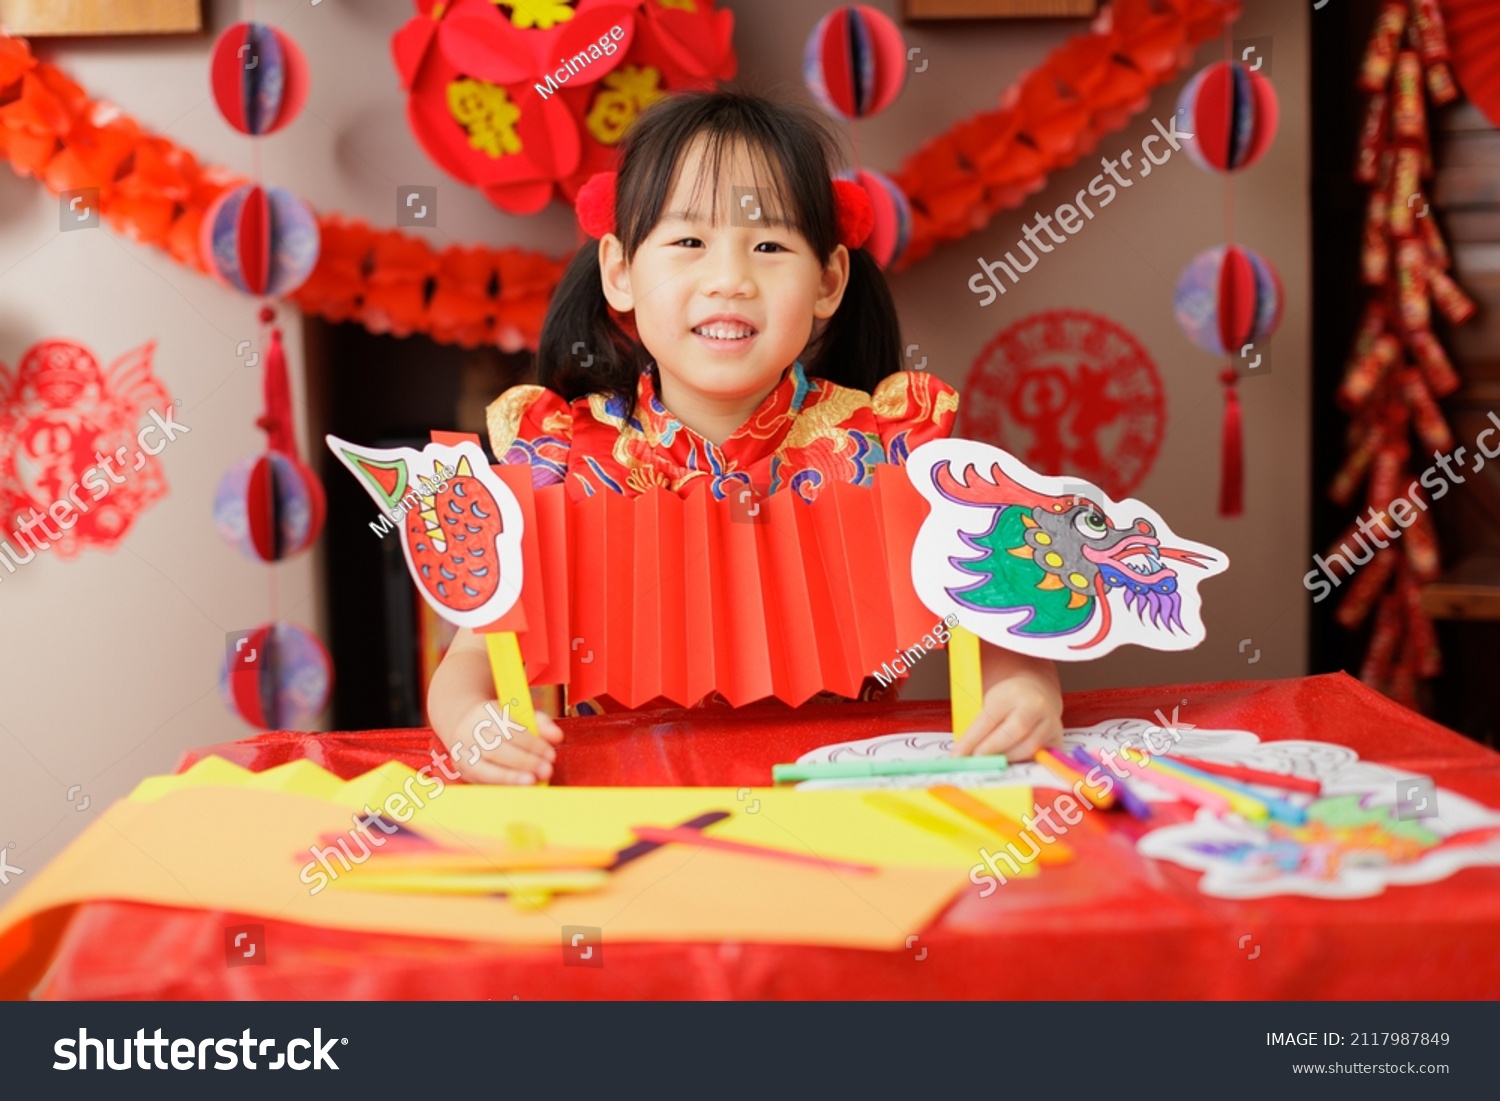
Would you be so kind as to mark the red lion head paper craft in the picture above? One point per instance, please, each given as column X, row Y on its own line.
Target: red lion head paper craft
column 1049, row 566
column 74, row 437
column 460, row 524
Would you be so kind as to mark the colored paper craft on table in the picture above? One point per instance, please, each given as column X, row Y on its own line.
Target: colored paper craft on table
column 139, row 852
column 829, row 825
column 1050, row 566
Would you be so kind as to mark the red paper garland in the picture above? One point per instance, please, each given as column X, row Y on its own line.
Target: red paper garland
column 158, row 193
column 155, row 191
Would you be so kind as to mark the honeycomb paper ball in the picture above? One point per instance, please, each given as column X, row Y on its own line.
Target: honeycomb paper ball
column 1232, row 113
column 261, row 241
column 278, row 677
column 259, row 78
column 888, row 240
column 854, row 62
column 269, row 507
column 1226, row 298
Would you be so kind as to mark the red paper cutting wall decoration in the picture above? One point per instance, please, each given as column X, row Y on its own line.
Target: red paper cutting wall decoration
column 1069, row 391
column 78, row 445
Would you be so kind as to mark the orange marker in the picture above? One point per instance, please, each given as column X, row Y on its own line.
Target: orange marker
column 1067, row 772
column 997, row 822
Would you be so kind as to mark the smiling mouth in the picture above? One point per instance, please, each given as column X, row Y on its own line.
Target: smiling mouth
column 724, row 332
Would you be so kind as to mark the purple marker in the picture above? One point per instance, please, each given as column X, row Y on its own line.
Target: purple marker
column 1132, row 802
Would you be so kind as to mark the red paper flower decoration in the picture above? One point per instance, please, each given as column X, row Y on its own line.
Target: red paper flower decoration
column 528, row 100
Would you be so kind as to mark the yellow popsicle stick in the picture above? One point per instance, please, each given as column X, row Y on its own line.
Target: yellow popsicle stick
column 965, row 684
column 509, row 673
column 997, row 822
column 460, row 863
column 482, row 883
column 923, row 819
column 510, row 676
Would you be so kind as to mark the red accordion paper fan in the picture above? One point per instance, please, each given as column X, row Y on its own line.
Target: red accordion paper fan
column 1474, row 43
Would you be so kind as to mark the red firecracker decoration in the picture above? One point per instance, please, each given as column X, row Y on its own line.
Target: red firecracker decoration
column 1398, row 369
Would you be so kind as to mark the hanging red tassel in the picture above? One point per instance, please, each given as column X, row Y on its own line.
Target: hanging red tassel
column 277, row 419
column 1232, row 457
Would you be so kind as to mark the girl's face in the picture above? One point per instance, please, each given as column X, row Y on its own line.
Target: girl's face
column 725, row 295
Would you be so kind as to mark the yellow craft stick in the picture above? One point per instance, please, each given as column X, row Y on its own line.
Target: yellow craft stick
column 480, row 883
column 509, row 673
column 932, row 823
column 996, row 821
column 461, row 863
column 965, row 684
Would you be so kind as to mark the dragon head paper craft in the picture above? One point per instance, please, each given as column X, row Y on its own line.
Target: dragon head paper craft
column 460, row 524
column 1047, row 566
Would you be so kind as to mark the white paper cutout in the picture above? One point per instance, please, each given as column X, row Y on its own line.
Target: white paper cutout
column 1355, row 844
column 1049, row 566
column 454, row 537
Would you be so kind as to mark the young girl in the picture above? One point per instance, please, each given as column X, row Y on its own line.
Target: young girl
column 726, row 332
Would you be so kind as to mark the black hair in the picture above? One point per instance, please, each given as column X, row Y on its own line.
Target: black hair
column 583, row 348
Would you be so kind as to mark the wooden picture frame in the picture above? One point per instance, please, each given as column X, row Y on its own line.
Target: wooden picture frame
column 916, row 10
column 40, row 18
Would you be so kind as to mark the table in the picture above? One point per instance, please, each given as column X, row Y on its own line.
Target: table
column 1110, row 925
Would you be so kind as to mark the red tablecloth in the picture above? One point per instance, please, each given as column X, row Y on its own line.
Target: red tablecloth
column 1110, row 925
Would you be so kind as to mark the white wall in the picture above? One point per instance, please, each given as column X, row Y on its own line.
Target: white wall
column 109, row 662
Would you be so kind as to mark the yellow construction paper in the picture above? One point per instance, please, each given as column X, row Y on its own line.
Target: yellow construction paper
column 832, row 824
column 243, row 849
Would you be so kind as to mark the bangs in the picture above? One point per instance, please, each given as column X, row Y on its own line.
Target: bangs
column 786, row 153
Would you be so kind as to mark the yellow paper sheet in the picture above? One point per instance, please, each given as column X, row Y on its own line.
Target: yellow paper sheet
column 240, row 849
column 832, row 824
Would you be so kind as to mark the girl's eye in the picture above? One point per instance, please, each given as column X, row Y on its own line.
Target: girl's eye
column 688, row 242
column 771, row 246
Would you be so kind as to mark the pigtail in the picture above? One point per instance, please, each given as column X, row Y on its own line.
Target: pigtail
column 861, row 342
column 583, row 349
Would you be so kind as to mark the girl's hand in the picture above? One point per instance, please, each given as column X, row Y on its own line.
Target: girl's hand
column 1022, row 708
column 495, row 749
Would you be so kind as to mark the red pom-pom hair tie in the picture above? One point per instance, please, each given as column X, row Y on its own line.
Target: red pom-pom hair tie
column 595, row 205
column 856, row 217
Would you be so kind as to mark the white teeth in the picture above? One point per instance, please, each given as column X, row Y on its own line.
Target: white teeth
column 724, row 332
